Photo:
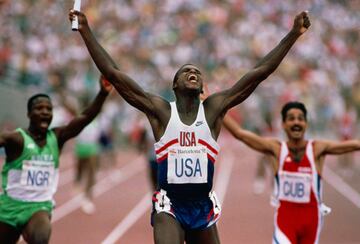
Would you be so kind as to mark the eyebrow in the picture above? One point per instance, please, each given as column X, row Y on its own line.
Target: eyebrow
column 191, row 67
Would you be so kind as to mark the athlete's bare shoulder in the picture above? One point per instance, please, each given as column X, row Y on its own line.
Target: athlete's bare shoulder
column 10, row 138
column 161, row 108
column 319, row 147
column 13, row 143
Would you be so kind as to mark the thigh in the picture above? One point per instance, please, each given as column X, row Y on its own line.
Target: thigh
column 8, row 233
column 167, row 230
column 312, row 226
column 285, row 228
column 209, row 236
column 38, row 228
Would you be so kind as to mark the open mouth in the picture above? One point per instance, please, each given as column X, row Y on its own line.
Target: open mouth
column 192, row 78
column 44, row 123
column 296, row 128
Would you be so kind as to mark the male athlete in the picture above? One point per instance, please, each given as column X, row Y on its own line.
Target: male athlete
column 297, row 164
column 184, row 207
column 31, row 170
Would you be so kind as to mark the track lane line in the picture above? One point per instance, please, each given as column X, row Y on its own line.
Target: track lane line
column 223, row 175
column 126, row 223
column 341, row 186
column 106, row 184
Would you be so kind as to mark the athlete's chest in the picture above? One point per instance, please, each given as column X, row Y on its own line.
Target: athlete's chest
column 292, row 165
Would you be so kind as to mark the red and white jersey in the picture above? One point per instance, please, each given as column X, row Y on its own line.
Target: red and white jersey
column 297, row 182
column 186, row 155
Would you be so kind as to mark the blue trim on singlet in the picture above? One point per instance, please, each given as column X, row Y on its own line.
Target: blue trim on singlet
column 274, row 238
column 277, row 180
column 319, row 187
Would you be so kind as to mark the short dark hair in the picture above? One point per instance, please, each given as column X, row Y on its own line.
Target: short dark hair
column 31, row 100
column 178, row 72
column 290, row 105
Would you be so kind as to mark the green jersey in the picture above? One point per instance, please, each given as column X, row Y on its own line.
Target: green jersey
column 34, row 175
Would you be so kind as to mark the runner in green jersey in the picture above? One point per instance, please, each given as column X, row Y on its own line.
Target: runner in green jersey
column 30, row 173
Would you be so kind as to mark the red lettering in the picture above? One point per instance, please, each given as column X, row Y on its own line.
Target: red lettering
column 193, row 140
column 187, row 139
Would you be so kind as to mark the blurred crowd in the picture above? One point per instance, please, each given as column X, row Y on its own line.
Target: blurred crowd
column 151, row 39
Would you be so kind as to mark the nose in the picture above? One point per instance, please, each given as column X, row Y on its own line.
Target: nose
column 45, row 111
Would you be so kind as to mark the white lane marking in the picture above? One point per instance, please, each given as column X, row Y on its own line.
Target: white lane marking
column 135, row 214
column 108, row 182
column 341, row 186
column 68, row 176
column 223, row 176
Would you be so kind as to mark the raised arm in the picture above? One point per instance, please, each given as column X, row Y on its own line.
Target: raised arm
column 336, row 147
column 126, row 86
column 12, row 142
column 77, row 124
column 323, row 148
column 264, row 145
column 267, row 65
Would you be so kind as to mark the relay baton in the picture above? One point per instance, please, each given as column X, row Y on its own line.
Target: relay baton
column 75, row 22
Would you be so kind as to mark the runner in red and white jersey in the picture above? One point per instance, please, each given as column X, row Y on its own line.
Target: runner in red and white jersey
column 297, row 165
column 297, row 196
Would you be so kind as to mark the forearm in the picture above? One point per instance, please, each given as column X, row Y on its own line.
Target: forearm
column 101, row 58
column 95, row 107
column 272, row 60
column 267, row 65
column 249, row 138
column 342, row 147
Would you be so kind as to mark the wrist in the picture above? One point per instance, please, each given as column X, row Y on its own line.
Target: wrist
column 83, row 29
column 295, row 32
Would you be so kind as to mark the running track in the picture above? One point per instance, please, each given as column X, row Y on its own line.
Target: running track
column 123, row 199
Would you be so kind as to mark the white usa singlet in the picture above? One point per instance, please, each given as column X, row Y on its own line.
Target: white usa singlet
column 186, row 155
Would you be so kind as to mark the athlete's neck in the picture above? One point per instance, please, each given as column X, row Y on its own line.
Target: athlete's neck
column 296, row 143
column 297, row 149
column 188, row 105
column 36, row 134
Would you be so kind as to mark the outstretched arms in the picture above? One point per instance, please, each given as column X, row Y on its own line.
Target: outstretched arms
column 336, row 147
column 126, row 87
column 324, row 147
column 264, row 145
column 267, row 65
column 76, row 125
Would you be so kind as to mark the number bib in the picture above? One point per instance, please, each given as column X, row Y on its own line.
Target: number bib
column 37, row 175
column 295, row 187
column 187, row 165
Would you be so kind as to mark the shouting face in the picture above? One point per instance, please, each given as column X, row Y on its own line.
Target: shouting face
column 40, row 114
column 188, row 78
column 295, row 124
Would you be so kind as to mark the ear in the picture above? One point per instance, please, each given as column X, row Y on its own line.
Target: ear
column 306, row 125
